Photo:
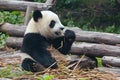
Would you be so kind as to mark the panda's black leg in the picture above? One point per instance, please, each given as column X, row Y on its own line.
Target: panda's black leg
column 30, row 65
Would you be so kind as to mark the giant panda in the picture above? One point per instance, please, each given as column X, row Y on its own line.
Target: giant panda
column 44, row 29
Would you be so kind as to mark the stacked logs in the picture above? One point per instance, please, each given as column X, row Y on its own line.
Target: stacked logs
column 97, row 44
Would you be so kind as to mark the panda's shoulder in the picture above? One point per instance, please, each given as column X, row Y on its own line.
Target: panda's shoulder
column 32, row 35
column 35, row 36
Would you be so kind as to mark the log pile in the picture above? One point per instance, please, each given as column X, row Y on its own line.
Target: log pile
column 97, row 44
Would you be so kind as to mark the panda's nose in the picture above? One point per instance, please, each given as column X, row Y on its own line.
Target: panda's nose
column 62, row 28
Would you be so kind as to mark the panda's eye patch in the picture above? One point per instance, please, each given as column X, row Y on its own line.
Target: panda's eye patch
column 52, row 24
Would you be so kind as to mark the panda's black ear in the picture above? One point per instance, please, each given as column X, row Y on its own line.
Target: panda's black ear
column 36, row 15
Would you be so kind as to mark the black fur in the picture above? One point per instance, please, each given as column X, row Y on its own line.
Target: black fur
column 28, row 64
column 52, row 24
column 36, row 45
column 36, row 15
column 64, row 41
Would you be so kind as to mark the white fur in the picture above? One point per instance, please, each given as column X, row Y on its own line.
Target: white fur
column 42, row 26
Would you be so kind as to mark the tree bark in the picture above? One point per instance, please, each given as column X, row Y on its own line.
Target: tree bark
column 111, row 61
column 22, row 5
column 97, row 50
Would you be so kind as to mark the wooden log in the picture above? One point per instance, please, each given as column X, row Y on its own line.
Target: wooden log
column 13, row 30
column 81, row 62
column 114, row 70
column 18, row 31
column 111, row 61
column 52, row 2
column 97, row 50
column 22, row 5
column 14, row 42
column 98, row 37
column 27, row 15
column 82, row 36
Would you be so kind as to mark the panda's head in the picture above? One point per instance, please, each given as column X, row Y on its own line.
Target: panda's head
column 46, row 23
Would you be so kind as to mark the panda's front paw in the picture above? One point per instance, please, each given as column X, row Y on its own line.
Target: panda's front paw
column 70, row 36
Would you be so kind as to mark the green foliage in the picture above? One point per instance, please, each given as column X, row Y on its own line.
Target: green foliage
column 84, row 79
column 70, row 23
column 69, row 4
column 14, row 17
column 8, row 73
column 3, row 38
column 99, row 62
column 45, row 77
column 110, row 29
column 95, row 15
column 5, row 72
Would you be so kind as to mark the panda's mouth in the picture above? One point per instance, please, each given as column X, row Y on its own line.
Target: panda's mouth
column 58, row 33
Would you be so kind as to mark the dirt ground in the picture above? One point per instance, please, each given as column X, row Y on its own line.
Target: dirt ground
column 62, row 73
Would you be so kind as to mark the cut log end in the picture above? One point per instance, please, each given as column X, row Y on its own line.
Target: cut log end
column 111, row 61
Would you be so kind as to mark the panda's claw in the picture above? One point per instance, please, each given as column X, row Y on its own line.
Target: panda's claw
column 30, row 65
column 38, row 67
